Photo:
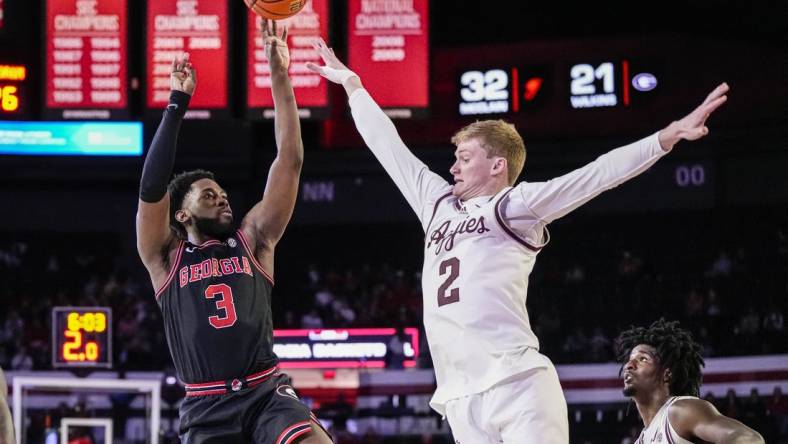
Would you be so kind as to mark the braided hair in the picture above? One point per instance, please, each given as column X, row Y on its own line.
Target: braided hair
column 676, row 350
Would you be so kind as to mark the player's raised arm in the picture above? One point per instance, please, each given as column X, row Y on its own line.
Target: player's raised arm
column 555, row 198
column 266, row 221
column 154, row 237
column 415, row 181
column 698, row 419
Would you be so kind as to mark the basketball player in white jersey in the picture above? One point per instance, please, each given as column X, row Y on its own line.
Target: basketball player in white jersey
column 662, row 374
column 482, row 237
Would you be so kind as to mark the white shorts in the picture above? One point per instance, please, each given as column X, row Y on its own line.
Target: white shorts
column 528, row 409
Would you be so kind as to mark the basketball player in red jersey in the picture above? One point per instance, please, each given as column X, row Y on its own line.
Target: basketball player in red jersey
column 213, row 283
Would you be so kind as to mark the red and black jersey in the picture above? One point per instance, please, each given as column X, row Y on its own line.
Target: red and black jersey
column 216, row 306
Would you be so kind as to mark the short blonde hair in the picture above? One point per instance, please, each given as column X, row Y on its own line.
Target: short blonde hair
column 499, row 138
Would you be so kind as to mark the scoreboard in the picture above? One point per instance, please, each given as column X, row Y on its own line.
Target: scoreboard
column 583, row 85
column 81, row 337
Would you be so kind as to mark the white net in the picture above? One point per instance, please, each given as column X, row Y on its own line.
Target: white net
column 58, row 409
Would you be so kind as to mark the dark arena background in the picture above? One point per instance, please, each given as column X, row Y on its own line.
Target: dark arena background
column 701, row 237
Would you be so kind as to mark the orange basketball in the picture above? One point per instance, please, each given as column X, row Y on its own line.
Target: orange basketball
column 275, row 9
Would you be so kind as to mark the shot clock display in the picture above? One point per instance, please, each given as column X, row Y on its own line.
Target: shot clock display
column 81, row 337
column 12, row 77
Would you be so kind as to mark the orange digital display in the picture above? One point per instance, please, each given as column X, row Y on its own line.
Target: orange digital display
column 82, row 337
column 11, row 79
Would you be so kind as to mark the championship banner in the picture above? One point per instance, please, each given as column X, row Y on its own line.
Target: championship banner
column 86, row 59
column 198, row 27
column 310, row 88
column 388, row 47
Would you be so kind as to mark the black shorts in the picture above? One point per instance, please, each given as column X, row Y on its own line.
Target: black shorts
column 267, row 413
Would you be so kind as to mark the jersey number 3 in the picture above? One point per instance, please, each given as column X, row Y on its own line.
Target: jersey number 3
column 224, row 295
column 446, row 296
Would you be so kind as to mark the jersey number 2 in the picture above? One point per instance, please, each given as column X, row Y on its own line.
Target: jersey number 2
column 225, row 293
column 452, row 267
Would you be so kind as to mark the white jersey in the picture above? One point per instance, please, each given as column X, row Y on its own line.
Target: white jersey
column 660, row 430
column 478, row 253
column 474, row 282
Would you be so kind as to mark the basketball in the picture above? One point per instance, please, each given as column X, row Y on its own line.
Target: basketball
column 275, row 9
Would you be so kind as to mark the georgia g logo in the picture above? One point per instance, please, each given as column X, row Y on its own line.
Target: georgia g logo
column 287, row 392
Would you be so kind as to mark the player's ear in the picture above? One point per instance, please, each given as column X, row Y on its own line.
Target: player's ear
column 182, row 216
column 499, row 166
column 667, row 375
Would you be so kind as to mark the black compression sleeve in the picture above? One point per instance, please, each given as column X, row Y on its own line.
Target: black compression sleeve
column 161, row 155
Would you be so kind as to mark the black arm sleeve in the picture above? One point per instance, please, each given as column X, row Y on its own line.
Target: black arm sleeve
column 161, row 155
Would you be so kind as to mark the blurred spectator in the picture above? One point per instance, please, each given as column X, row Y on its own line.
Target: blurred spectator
column 311, row 320
column 722, row 265
column 778, row 410
column 395, row 356
column 21, row 360
column 730, row 406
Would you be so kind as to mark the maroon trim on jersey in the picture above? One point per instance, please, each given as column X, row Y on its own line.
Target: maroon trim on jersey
column 435, row 210
column 506, row 228
column 222, row 387
column 173, row 271
column 289, row 434
column 667, row 429
column 317, row 421
column 250, row 252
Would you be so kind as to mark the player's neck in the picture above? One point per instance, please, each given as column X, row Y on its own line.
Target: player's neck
column 649, row 404
column 487, row 190
column 197, row 238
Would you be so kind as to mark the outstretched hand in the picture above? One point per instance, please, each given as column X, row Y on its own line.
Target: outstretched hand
column 693, row 126
column 183, row 76
column 333, row 70
column 276, row 51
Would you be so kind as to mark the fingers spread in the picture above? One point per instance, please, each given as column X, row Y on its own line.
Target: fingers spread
column 714, row 104
column 720, row 90
column 314, row 67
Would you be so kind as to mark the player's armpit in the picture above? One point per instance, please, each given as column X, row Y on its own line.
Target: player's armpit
column 154, row 234
column 696, row 418
column 266, row 221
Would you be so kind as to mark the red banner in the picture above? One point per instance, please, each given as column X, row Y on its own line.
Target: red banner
column 302, row 29
column 2, row 15
column 388, row 47
column 198, row 27
column 86, row 55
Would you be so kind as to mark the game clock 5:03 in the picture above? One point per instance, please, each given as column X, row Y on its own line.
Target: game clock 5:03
column 82, row 337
